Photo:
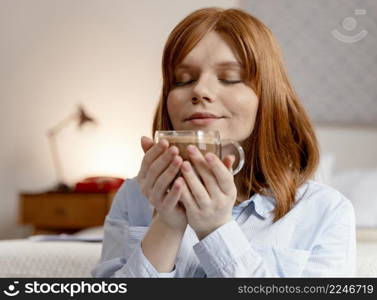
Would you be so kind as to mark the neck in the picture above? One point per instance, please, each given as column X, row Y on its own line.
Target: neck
column 238, row 182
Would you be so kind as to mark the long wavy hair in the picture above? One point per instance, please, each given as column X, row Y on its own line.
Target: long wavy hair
column 282, row 150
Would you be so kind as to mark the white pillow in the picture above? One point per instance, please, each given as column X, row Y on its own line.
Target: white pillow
column 360, row 187
column 90, row 232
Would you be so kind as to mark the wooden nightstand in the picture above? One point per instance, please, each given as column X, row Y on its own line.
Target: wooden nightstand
column 55, row 212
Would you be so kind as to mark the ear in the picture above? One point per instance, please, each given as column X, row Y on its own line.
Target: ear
column 146, row 143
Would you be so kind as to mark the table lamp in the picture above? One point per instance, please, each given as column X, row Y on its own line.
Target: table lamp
column 81, row 118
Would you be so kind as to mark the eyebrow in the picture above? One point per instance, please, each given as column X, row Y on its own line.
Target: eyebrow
column 223, row 64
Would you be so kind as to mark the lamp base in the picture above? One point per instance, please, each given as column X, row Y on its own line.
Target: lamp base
column 61, row 187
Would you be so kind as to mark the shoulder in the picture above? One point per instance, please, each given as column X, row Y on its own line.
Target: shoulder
column 322, row 200
column 321, row 192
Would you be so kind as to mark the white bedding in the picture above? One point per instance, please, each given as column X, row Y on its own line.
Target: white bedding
column 26, row 258
column 366, row 259
column 33, row 258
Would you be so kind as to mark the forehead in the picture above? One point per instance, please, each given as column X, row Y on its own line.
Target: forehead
column 218, row 65
column 213, row 50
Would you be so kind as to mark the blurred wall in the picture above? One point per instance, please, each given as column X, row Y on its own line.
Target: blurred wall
column 330, row 53
column 55, row 54
column 105, row 55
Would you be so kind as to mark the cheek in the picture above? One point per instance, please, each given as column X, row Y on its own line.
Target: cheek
column 244, row 105
column 176, row 95
column 250, row 112
column 252, row 108
column 174, row 105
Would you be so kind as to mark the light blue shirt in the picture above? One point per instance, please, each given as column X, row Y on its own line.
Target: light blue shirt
column 316, row 238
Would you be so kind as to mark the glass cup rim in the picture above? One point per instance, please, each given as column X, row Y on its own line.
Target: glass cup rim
column 193, row 133
column 213, row 133
column 189, row 130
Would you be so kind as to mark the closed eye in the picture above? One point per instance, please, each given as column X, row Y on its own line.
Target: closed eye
column 230, row 81
column 182, row 83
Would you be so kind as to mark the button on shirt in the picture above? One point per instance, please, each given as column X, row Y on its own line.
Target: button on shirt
column 316, row 238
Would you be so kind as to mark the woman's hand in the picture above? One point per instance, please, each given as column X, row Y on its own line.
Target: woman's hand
column 159, row 167
column 208, row 204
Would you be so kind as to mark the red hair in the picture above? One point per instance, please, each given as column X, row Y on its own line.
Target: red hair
column 282, row 151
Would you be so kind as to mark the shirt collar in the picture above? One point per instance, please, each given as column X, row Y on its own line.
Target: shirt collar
column 263, row 205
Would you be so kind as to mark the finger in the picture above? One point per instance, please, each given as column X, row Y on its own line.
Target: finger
column 171, row 199
column 165, row 179
column 159, row 165
column 202, row 167
column 229, row 161
column 224, row 178
column 146, row 143
column 152, row 154
column 197, row 189
column 186, row 197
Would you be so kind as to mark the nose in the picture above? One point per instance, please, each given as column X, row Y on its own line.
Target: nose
column 202, row 91
column 196, row 100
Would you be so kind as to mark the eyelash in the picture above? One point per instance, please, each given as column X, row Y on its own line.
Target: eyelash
column 179, row 83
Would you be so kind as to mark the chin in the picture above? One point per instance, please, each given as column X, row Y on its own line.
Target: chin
column 205, row 128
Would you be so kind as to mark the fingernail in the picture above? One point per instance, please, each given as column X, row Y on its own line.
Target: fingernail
column 209, row 157
column 177, row 160
column 173, row 150
column 191, row 149
column 162, row 144
column 186, row 166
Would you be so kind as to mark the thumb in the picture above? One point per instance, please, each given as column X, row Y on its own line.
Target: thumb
column 146, row 143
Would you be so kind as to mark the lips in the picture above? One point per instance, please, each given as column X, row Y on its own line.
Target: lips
column 202, row 115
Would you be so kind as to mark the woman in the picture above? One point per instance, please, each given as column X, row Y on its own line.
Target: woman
column 270, row 220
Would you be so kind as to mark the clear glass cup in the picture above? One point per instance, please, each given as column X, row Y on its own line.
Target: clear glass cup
column 205, row 141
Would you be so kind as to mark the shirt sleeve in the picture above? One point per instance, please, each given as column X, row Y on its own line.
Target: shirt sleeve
column 122, row 255
column 227, row 252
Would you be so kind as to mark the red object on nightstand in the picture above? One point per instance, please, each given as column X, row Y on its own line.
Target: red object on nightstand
column 99, row 184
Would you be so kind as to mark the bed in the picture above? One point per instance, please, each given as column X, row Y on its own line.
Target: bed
column 366, row 252
column 46, row 258
column 28, row 258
